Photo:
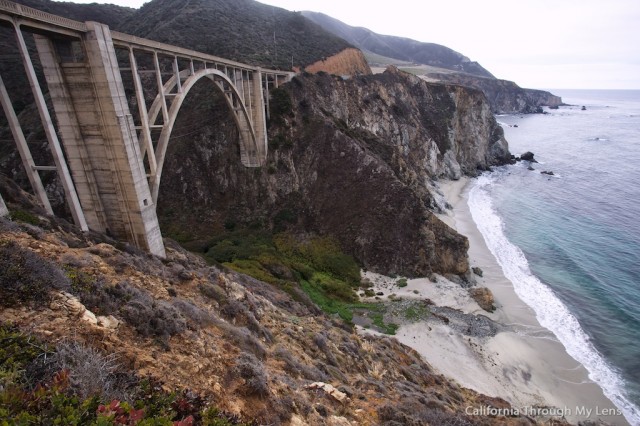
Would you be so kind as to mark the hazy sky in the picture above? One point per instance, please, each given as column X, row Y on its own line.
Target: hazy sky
column 545, row 44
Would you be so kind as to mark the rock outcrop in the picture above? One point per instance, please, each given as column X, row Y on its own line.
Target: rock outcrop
column 351, row 158
column 349, row 62
column 505, row 97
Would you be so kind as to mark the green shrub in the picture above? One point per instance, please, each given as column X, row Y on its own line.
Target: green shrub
column 317, row 265
column 17, row 352
column 334, row 288
column 25, row 216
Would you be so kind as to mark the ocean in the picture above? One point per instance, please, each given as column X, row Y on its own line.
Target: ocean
column 570, row 242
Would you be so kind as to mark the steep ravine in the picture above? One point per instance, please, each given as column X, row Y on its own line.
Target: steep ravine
column 351, row 158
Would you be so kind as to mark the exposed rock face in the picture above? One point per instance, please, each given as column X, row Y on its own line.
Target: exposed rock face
column 505, row 97
column 352, row 158
column 350, row 61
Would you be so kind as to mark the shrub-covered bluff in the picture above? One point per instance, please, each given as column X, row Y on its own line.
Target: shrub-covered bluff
column 95, row 332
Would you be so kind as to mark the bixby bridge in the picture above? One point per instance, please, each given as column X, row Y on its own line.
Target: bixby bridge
column 109, row 140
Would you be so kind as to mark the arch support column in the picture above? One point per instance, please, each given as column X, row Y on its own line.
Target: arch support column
column 100, row 140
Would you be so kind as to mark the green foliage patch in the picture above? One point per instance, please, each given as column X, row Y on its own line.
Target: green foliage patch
column 317, row 265
column 25, row 216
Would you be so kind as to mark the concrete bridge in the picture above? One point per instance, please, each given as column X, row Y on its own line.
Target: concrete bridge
column 109, row 147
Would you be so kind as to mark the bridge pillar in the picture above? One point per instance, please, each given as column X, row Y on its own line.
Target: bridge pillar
column 258, row 112
column 100, row 139
column 4, row 211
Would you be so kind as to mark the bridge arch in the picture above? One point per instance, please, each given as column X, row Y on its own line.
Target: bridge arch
column 253, row 148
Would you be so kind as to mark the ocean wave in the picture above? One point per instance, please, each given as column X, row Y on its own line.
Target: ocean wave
column 550, row 311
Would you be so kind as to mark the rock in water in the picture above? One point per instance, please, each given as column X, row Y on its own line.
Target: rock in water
column 528, row 156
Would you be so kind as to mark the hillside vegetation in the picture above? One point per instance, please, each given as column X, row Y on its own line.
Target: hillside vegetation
column 95, row 332
column 242, row 30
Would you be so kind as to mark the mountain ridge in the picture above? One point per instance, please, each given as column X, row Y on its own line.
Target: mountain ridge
column 504, row 96
column 399, row 47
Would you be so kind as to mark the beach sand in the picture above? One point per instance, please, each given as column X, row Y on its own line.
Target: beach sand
column 521, row 361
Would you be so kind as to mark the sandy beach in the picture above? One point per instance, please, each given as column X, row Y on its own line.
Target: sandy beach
column 508, row 355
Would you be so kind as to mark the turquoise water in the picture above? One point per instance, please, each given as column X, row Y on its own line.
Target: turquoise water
column 570, row 242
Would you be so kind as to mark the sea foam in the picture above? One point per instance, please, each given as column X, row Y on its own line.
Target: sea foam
column 550, row 311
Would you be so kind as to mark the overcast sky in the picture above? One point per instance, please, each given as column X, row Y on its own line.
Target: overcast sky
column 544, row 44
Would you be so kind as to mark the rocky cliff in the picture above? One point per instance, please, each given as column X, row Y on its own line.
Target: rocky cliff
column 351, row 158
column 505, row 97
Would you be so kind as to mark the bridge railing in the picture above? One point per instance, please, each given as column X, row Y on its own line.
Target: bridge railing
column 28, row 12
column 127, row 40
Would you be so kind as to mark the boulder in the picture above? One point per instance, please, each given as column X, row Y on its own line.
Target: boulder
column 476, row 270
column 483, row 297
column 528, row 156
column 547, row 172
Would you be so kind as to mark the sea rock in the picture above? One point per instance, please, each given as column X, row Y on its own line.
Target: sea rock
column 476, row 270
column 547, row 172
column 483, row 297
column 528, row 156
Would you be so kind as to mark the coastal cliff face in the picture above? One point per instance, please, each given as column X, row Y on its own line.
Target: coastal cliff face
column 505, row 97
column 350, row 158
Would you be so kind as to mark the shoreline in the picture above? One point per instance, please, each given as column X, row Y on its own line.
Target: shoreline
column 519, row 361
